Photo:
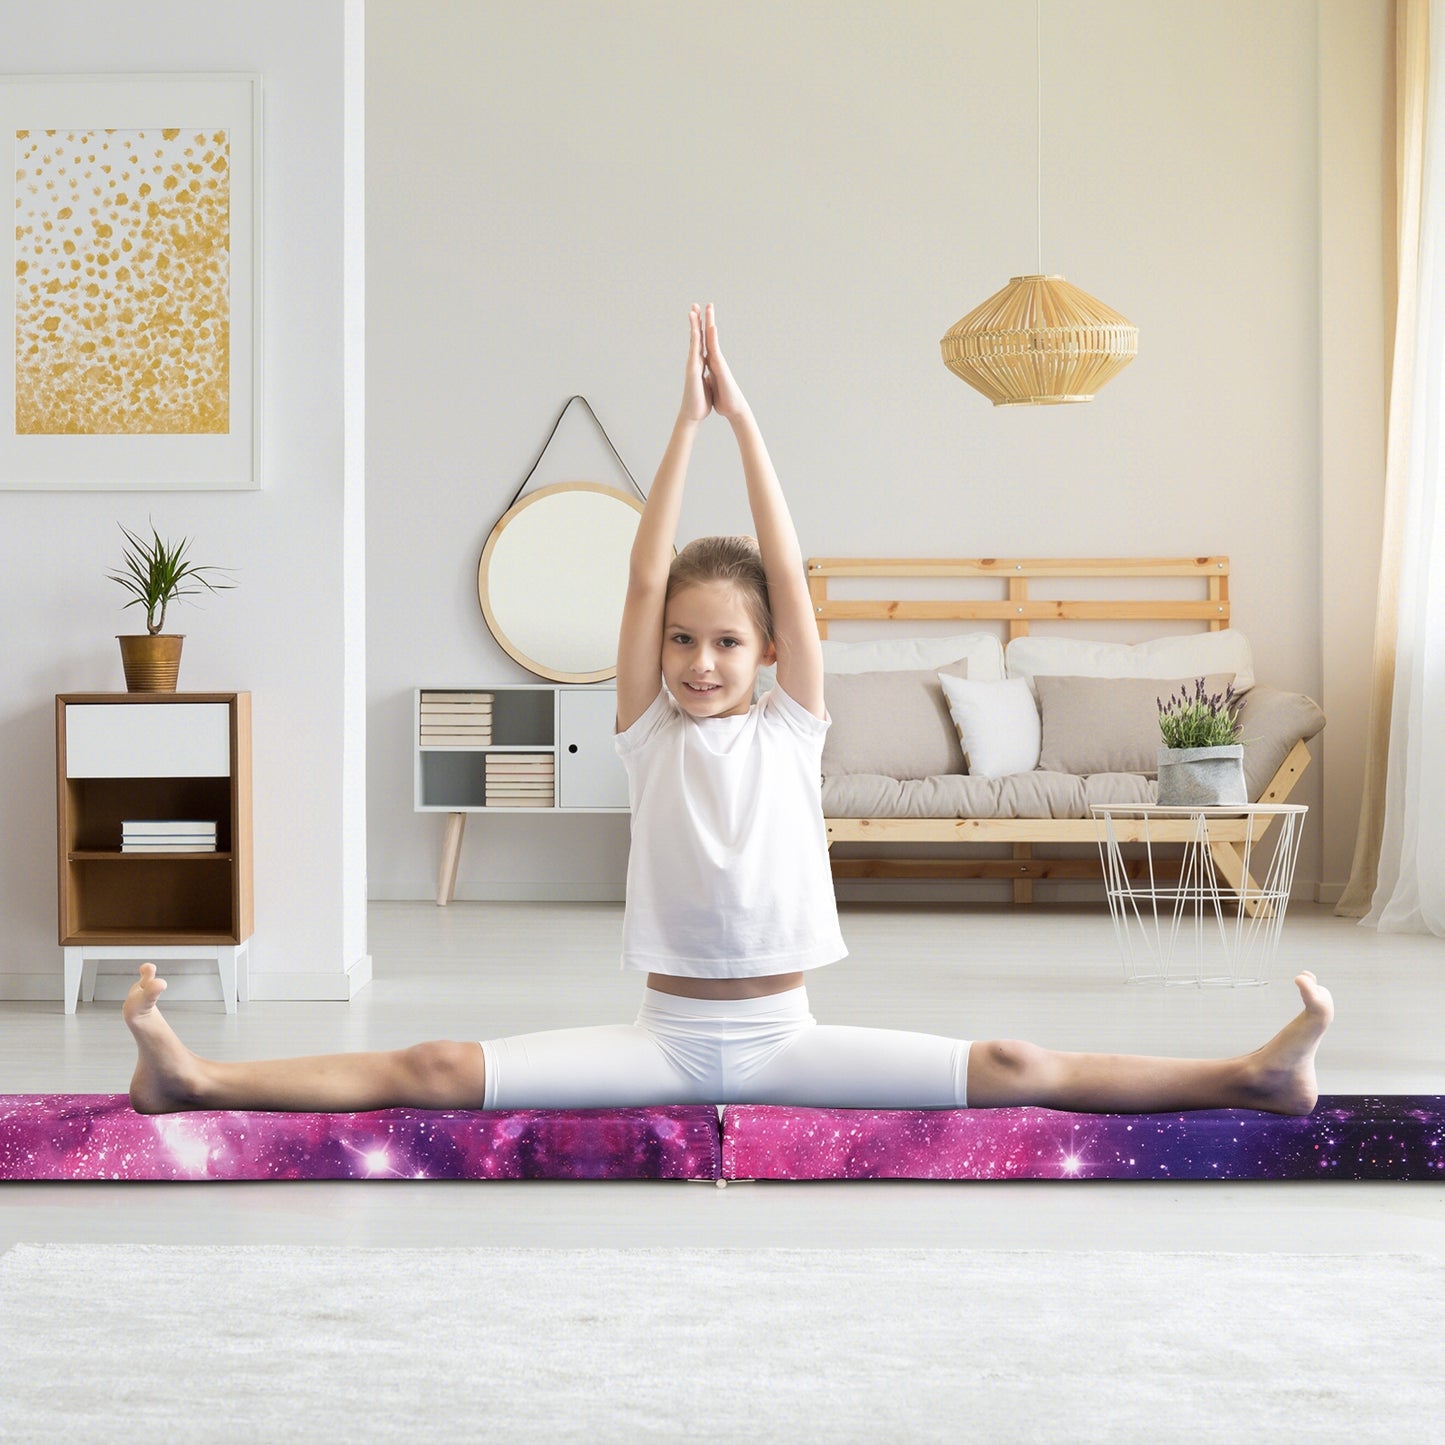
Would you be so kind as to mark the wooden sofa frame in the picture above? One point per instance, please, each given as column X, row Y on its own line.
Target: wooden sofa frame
column 1014, row 606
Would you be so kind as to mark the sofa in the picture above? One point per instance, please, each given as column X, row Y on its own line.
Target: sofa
column 997, row 742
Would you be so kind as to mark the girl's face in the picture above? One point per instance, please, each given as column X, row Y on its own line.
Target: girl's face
column 712, row 650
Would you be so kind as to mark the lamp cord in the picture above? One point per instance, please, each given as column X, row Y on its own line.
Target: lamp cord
column 1039, row 127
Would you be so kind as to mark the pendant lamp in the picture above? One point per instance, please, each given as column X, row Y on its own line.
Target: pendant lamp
column 1039, row 341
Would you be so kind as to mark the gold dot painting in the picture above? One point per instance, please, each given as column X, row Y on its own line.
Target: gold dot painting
column 122, row 269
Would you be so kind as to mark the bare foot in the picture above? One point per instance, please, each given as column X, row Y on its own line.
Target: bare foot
column 1280, row 1077
column 168, row 1076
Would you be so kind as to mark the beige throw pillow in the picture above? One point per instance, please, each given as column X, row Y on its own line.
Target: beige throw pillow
column 892, row 723
column 1107, row 724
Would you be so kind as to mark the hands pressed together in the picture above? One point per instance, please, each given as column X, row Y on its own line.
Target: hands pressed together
column 708, row 384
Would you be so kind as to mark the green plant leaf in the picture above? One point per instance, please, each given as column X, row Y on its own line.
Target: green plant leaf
column 156, row 572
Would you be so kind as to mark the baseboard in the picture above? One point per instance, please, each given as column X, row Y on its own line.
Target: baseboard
column 933, row 891
column 529, row 892
column 312, row 987
column 849, row 890
column 37, row 987
column 965, row 891
column 194, row 981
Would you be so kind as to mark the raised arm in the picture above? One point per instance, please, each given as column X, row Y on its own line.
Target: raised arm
column 800, row 655
column 639, row 644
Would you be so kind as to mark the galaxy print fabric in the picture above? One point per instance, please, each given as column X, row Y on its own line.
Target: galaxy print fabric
column 1353, row 1137
column 99, row 1136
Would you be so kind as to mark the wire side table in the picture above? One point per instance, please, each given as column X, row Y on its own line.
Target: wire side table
column 1202, row 929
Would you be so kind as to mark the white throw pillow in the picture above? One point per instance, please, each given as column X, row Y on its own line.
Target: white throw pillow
column 997, row 722
column 1192, row 654
column 982, row 651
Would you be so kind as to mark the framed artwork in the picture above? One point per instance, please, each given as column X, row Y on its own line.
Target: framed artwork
column 130, row 316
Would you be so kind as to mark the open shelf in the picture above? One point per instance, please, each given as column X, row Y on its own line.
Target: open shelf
column 101, row 855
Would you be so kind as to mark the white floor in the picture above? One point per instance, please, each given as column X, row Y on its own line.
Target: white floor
column 1051, row 974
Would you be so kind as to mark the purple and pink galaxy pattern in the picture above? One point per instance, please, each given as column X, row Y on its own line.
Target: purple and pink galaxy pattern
column 1347, row 1137
column 100, row 1137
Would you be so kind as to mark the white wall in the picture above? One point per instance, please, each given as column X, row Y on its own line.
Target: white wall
column 283, row 633
column 551, row 184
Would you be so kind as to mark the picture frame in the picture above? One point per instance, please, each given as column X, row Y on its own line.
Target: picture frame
column 130, row 320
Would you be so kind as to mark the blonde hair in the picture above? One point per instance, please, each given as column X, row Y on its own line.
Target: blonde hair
column 734, row 561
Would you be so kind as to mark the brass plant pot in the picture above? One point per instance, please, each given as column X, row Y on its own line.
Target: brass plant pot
column 151, row 662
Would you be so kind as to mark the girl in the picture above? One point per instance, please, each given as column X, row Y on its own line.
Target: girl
column 729, row 898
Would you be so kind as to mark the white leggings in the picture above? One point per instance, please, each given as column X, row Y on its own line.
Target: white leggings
column 725, row 1051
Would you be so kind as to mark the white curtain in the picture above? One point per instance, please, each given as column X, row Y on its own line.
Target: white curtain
column 1409, row 894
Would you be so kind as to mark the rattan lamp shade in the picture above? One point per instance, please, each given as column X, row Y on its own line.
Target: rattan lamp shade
column 1039, row 342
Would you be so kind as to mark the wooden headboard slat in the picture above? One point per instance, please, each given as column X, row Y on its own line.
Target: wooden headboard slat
column 1017, row 608
column 1035, row 610
column 1018, row 566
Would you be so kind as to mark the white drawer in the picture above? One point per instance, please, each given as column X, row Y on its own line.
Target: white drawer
column 148, row 740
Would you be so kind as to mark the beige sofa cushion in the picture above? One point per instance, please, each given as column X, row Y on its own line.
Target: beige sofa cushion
column 1018, row 795
column 1108, row 724
column 1271, row 722
column 894, row 723
column 1190, row 654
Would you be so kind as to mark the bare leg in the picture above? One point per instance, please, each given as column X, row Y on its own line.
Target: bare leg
column 169, row 1077
column 1279, row 1077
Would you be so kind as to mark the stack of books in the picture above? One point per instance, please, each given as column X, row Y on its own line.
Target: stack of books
column 151, row 835
column 456, row 719
column 520, row 780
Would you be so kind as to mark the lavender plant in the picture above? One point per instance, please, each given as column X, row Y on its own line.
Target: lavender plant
column 1199, row 719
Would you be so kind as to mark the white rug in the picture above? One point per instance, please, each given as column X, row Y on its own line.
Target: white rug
column 116, row 1343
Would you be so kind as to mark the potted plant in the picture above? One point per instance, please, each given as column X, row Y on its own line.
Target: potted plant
column 156, row 572
column 1201, row 762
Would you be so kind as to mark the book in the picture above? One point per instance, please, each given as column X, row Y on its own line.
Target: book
column 145, row 827
column 541, row 802
column 179, row 845
column 455, row 697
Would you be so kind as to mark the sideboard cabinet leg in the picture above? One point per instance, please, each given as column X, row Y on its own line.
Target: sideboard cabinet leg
column 451, row 856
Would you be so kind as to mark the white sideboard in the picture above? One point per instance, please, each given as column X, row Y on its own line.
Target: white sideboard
column 524, row 748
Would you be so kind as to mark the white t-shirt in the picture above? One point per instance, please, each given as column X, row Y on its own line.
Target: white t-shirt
column 728, row 876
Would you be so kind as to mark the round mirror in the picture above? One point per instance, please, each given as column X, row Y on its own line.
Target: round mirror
column 553, row 578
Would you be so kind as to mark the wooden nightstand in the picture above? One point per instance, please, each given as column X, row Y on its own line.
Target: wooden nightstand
column 143, row 757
